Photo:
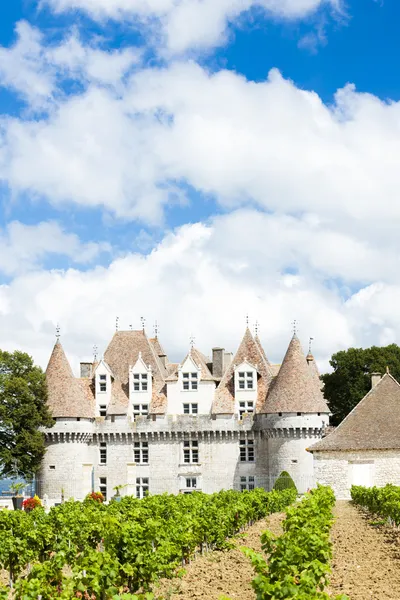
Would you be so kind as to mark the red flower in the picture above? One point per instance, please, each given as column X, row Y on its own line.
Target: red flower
column 31, row 503
column 96, row 496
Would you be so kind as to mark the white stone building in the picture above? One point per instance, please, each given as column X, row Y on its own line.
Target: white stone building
column 137, row 420
column 365, row 448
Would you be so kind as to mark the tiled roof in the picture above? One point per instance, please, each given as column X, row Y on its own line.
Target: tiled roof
column 295, row 389
column 262, row 351
column 249, row 349
column 158, row 349
column 67, row 395
column 122, row 352
column 374, row 424
column 312, row 365
column 275, row 369
column 200, row 360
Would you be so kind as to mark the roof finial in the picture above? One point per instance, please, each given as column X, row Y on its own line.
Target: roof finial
column 143, row 322
column 131, row 327
column 247, row 319
column 156, row 329
column 310, row 341
column 95, row 350
column 294, row 324
column 58, row 332
column 116, row 323
column 256, row 326
column 192, row 340
column 387, row 369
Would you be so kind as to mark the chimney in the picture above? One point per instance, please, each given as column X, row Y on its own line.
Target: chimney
column 218, row 362
column 163, row 358
column 86, row 369
column 375, row 378
column 228, row 358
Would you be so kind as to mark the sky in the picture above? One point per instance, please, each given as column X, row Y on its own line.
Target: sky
column 199, row 163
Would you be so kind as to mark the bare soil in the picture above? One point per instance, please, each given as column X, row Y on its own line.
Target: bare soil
column 366, row 558
column 223, row 573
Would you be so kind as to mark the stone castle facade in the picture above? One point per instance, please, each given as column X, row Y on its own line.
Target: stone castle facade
column 137, row 420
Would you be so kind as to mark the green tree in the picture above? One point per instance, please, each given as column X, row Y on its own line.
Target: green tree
column 351, row 376
column 23, row 409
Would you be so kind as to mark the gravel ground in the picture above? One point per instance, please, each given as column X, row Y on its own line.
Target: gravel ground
column 366, row 560
column 226, row 573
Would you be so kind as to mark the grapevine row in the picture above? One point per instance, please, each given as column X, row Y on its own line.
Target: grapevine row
column 384, row 501
column 97, row 552
column 298, row 562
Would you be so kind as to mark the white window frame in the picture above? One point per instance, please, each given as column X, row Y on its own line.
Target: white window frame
column 191, row 378
column 103, row 383
column 140, row 409
column 246, row 407
column 191, row 452
column 141, row 452
column 247, row 450
column 102, row 453
column 246, row 380
column 247, row 482
column 103, row 410
column 190, row 408
column 140, row 382
column 142, row 487
column 103, row 486
column 191, row 484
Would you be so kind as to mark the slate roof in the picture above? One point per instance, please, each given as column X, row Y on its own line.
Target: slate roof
column 68, row 396
column 295, row 388
column 249, row 349
column 374, row 424
column 122, row 352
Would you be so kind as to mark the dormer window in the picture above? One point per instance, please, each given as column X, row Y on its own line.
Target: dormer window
column 190, row 381
column 140, row 382
column 246, row 407
column 102, row 383
column 245, row 380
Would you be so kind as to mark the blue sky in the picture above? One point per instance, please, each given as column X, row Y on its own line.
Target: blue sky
column 196, row 162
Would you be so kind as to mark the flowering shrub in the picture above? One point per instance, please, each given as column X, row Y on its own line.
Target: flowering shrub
column 31, row 503
column 96, row 496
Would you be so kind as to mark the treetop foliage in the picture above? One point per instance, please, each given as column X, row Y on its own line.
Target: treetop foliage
column 351, row 377
column 23, row 409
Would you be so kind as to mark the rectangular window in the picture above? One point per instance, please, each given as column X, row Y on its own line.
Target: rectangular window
column 103, row 486
column 142, row 487
column 103, row 453
column 103, row 410
column 191, row 409
column 247, row 483
column 245, row 379
column 140, row 382
column 246, row 407
column 246, row 450
column 103, row 383
column 141, row 452
column 191, row 482
column 140, row 409
column 190, row 381
column 190, row 451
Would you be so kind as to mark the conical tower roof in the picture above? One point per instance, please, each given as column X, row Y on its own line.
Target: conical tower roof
column 66, row 398
column 249, row 350
column 295, row 388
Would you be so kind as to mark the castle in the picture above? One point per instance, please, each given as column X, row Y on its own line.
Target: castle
column 134, row 419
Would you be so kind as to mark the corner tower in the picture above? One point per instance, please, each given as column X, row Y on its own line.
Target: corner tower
column 296, row 415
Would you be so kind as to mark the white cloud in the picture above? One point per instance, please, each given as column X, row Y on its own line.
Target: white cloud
column 34, row 69
column 188, row 24
column 202, row 280
column 24, row 247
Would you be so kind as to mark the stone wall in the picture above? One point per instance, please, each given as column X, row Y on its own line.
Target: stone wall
column 337, row 469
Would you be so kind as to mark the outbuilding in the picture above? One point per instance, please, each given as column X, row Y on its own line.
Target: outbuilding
column 365, row 448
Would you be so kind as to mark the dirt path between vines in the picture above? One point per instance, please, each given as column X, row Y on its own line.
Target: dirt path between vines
column 366, row 560
column 227, row 573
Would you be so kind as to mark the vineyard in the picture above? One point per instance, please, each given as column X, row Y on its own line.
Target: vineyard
column 97, row 552
column 384, row 502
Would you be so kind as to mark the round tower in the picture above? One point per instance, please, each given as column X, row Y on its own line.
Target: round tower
column 66, row 469
column 296, row 416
